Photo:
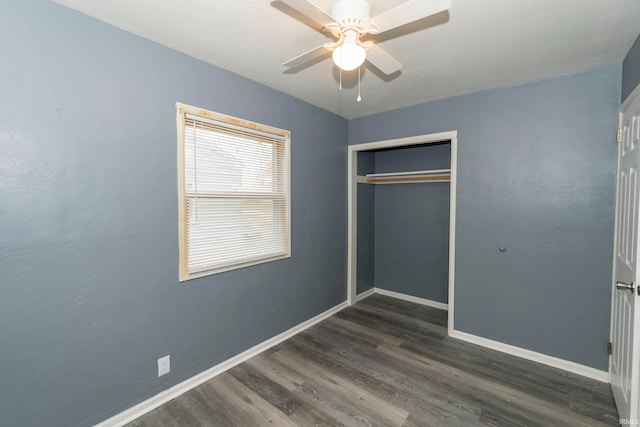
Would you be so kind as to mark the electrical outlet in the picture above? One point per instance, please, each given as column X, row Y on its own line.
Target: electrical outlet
column 164, row 365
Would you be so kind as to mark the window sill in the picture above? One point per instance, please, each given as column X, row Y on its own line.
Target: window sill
column 189, row 276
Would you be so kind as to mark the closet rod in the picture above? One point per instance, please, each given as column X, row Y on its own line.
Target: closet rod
column 424, row 172
column 433, row 175
column 389, row 180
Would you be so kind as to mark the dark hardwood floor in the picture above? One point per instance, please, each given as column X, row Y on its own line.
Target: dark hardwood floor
column 386, row 362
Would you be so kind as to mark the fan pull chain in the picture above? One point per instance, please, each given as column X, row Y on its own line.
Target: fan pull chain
column 359, row 98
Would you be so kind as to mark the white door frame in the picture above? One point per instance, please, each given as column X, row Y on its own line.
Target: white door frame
column 352, row 185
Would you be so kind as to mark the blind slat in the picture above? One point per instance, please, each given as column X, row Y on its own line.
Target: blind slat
column 229, row 128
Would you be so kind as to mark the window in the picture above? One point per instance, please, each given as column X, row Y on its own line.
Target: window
column 233, row 184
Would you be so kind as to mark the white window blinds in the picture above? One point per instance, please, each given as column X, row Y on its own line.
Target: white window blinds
column 235, row 195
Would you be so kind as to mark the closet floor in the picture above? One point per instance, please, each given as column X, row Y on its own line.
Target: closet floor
column 387, row 362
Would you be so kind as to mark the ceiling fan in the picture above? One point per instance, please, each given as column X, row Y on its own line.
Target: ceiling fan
column 350, row 20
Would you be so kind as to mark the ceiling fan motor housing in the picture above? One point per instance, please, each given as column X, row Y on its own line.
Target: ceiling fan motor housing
column 352, row 14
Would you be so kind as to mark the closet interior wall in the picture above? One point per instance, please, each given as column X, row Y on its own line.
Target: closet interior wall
column 403, row 228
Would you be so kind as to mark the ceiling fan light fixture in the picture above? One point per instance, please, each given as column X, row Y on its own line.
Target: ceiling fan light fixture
column 349, row 56
column 350, row 20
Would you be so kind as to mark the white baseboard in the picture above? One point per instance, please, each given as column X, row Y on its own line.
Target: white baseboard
column 410, row 298
column 178, row 389
column 363, row 295
column 576, row 368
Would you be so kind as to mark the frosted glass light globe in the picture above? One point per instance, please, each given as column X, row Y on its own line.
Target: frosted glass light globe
column 349, row 56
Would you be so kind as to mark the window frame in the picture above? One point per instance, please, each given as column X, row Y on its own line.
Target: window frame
column 181, row 112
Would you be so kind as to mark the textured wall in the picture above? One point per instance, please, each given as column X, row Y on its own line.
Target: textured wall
column 412, row 225
column 89, row 219
column 536, row 173
column 366, row 224
column 631, row 70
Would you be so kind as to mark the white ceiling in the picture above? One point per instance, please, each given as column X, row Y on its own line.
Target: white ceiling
column 477, row 45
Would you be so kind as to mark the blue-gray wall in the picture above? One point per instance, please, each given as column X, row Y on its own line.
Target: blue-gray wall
column 90, row 297
column 631, row 70
column 366, row 224
column 536, row 174
column 412, row 225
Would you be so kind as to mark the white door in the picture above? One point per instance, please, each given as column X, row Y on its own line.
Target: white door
column 624, row 368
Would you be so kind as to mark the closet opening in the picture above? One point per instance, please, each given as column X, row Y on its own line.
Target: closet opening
column 401, row 198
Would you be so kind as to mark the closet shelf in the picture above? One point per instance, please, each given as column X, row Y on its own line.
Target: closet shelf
column 433, row 175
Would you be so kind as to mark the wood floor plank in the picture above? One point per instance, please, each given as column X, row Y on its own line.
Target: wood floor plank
column 298, row 410
column 388, row 362
column 254, row 409
column 211, row 405
column 357, row 330
column 405, row 320
column 373, row 408
column 388, row 326
column 276, row 371
column 416, row 311
column 430, row 404
column 155, row 418
column 185, row 411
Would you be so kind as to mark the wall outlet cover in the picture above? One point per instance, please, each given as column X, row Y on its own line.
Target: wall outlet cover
column 164, row 365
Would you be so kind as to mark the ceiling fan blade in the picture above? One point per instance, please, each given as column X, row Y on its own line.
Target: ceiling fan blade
column 409, row 12
column 309, row 56
column 382, row 60
column 310, row 9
